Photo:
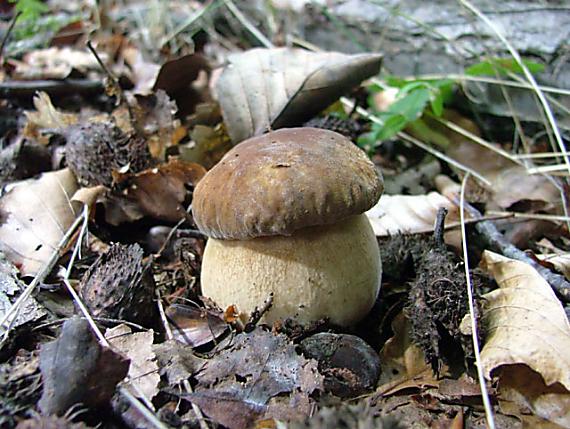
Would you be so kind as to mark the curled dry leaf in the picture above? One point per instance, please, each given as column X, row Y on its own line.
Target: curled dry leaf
column 396, row 214
column 46, row 117
column 76, row 369
column 524, row 322
column 560, row 262
column 403, row 363
column 267, row 365
column 194, row 326
column 522, row 389
column 34, row 216
column 54, row 63
column 157, row 192
column 510, row 182
column 274, row 88
column 143, row 371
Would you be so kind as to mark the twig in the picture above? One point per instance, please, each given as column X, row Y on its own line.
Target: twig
column 439, row 227
column 195, row 408
column 7, row 34
column 257, row 314
column 108, row 72
column 471, row 302
column 116, row 87
column 12, row 313
column 497, row 242
column 26, row 89
column 247, row 24
column 163, row 318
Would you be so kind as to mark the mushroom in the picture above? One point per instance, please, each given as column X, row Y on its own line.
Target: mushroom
column 284, row 213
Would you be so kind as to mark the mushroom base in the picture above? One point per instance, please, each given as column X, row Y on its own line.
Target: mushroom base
column 330, row 271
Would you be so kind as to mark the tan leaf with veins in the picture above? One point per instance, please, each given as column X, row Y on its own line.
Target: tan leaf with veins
column 34, row 216
column 274, row 88
column 524, row 322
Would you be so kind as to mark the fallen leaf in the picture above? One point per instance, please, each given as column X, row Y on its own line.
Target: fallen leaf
column 34, row 216
column 54, row 63
column 560, row 262
column 76, row 369
column 510, row 182
column 177, row 361
column 524, row 322
column 403, row 363
column 154, row 116
column 409, row 214
column 194, row 326
column 273, row 88
column 229, row 408
column 157, row 192
column 10, row 287
column 143, row 371
column 46, row 117
column 526, row 389
column 243, row 378
column 208, row 145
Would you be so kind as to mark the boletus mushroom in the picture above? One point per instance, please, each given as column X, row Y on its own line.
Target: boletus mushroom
column 284, row 213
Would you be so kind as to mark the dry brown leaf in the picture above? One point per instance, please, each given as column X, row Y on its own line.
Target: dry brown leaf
column 143, row 372
column 395, row 214
column 560, row 262
column 54, row 63
column 510, row 182
column 524, row 322
column 274, row 88
column 46, row 117
column 525, row 390
column 34, row 216
column 403, row 363
column 157, row 192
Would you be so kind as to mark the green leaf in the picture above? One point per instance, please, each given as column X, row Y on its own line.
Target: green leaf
column 392, row 126
column 502, row 66
column 412, row 105
column 30, row 10
column 436, row 104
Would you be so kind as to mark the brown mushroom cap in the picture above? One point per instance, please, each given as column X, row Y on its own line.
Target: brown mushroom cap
column 283, row 181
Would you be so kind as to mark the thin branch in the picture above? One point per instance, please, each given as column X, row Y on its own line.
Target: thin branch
column 472, row 317
column 12, row 313
column 7, row 34
column 247, row 24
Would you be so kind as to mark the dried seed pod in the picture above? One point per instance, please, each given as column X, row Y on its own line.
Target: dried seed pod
column 350, row 366
column 350, row 128
column 95, row 150
column 120, row 285
column 20, row 387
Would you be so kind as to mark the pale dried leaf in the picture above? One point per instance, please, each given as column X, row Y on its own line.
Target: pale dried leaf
column 34, row 216
column 89, row 196
column 524, row 322
column 143, row 372
column 526, row 390
column 55, row 63
column 560, row 262
column 402, row 360
column 273, row 88
column 46, row 117
column 10, row 288
column 395, row 214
